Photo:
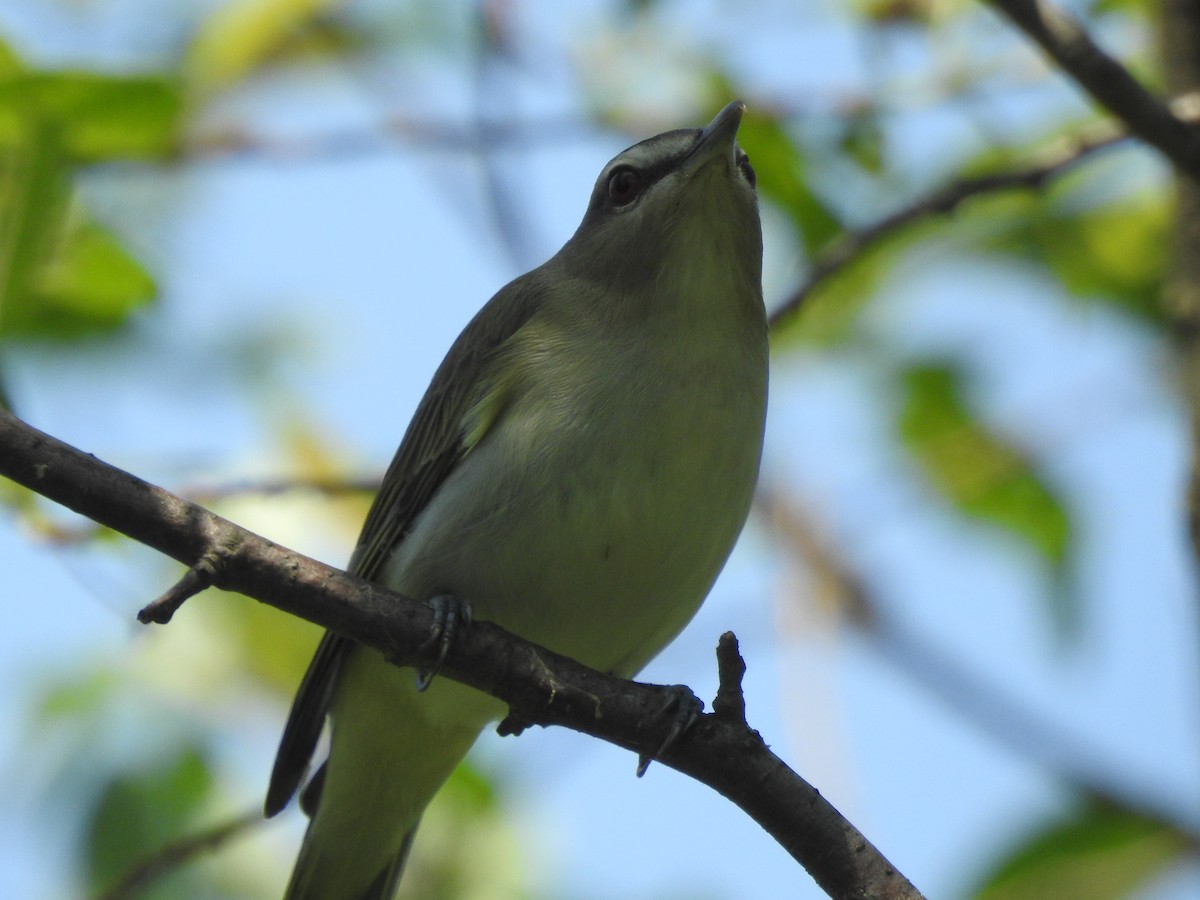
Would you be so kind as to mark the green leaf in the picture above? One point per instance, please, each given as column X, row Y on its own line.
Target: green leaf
column 862, row 138
column 977, row 470
column 10, row 62
column 780, row 167
column 34, row 193
column 241, row 37
column 1100, row 852
column 60, row 274
column 97, row 116
column 91, row 283
column 829, row 313
column 76, row 698
column 139, row 811
column 1114, row 252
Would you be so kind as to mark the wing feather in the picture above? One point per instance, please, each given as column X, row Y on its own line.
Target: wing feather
column 436, row 442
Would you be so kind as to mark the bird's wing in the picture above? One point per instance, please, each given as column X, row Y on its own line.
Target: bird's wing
column 462, row 402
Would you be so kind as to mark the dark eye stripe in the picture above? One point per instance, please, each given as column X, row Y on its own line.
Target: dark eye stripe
column 680, row 144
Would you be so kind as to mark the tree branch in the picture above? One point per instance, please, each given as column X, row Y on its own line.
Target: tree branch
column 1046, row 743
column 1055, row 160
column 1109, row 83
column 539, row 686
column 1179, row 38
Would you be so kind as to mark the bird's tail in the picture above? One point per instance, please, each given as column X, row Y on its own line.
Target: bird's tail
column 310, row 879
column 390, row 750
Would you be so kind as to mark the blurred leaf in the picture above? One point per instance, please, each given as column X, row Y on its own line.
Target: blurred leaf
column 780, row 167
column 244, row 35
column 1099, row 853
column 78, row 697
column 829, row 313
column 897, row 12
column 60, row 274
column 34, row 193
column 273, row 647
column 90, row 283
column 140, row 811
column 862, row 138
column 1115, row 252
column 10, row 63
column 977, row 470
column 466, row 813
column 99, row 116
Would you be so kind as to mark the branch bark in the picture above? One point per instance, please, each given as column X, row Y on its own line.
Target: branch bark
column 540, row 687
column 1179, row 35
column 1064, row 40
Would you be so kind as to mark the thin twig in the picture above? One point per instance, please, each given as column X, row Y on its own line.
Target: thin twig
column 174, row 855
column 198, row 578
column 730, row 702
column 330, row 485
column 1109, row 83
column 985, row 705
column 1054, row 161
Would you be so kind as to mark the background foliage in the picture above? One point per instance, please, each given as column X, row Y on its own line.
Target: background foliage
column 235, row 238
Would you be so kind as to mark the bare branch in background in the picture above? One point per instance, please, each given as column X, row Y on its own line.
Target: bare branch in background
column 1109, row 83
column 176, row 854
column 394, row 130
column 1057, row 159
column 1179, row 37
column 1067, row 757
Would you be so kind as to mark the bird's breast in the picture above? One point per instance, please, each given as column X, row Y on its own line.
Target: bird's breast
column 595, row 514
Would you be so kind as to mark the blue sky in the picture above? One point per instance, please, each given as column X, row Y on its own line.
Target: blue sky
column 364, row 267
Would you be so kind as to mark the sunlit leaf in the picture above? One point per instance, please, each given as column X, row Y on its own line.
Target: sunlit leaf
column 979, row 471
column 92, row 282
column 242, row 36
column 78, row 697
column 862, row 138
column 99, row 116
column 60, row 274
column 34, row 193
column 10, row 62
column 896, row 12
column 1101, row 852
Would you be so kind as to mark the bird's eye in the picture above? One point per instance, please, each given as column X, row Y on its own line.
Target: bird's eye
column 624, row 185
column 743, row 162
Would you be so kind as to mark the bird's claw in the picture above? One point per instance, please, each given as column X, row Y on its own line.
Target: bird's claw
column 686, row 708
column 449, row 613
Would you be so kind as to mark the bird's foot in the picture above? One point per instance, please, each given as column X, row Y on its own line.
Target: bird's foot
column 685, row 708
column 449, row 615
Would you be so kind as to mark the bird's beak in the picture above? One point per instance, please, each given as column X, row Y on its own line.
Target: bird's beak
column 719, row 137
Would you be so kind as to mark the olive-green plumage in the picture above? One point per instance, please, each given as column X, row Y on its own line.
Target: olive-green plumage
column 578, row 472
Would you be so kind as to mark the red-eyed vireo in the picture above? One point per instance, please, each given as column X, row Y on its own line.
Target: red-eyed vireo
column 577, row 472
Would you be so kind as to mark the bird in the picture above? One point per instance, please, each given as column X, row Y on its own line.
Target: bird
column 577, row 472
